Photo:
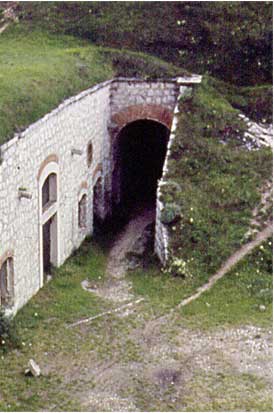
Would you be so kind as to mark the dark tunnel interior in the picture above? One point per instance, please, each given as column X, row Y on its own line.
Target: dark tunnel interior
column 142, row 149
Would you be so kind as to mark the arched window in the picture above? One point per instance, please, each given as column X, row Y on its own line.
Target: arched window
column 82, row 212
column 49, row 191
column 6, row 282
column 89, row 153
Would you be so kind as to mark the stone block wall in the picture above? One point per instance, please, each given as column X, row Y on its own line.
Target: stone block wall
column 72, row 125
column 132, row 92
column 58, row 143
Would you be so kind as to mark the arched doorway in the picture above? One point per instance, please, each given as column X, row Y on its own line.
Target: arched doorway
column 48, row 216
column 139, row 157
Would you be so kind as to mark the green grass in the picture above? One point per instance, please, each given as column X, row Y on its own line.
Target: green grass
column 215, row 185
column 255, row 101
column 230, row 40
column 39, row 70
column 225, row 393
column 237, row 297
column 234, row 300
column 162, row 290
column 42, row 328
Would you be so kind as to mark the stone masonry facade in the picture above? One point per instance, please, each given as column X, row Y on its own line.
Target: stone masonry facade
column 75, row 146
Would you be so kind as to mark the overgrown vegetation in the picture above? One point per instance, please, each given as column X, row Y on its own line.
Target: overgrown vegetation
column 140, row 65
column 219, row 182
column 256, row 102
column 230, row 40
column 39, row 70
column 8, row 334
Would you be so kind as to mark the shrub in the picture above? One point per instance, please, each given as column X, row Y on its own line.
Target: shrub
column 170, row 214
column 178, row 267
column 8, row 333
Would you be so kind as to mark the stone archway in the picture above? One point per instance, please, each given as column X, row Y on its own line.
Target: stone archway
column 132, row 113
column 121, row 122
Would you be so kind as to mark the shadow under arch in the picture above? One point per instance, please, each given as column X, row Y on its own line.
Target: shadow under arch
column 140, row 151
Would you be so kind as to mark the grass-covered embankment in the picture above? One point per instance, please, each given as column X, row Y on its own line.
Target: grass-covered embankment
column 214, row 185
column 255, row 101
column 39, row 70
column 229, row 40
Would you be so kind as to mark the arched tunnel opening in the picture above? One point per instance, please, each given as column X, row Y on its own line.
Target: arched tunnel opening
column 139, row 155
column 141, row 151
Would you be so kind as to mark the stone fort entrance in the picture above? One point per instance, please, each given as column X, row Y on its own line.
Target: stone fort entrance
column 97, row 152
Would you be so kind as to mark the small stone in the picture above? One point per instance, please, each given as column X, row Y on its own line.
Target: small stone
column 33, row 368
column 262, row 307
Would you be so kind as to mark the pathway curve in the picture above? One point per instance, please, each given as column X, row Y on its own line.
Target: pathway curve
column 115, row 287
column 232, row 260
column 117, row 266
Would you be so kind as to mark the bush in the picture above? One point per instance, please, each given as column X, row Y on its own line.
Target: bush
column 178, row 267
column 8, row 333
column 170, row 214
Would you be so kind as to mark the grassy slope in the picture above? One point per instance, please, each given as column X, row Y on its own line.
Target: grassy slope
column 215, row 185
column 256, row 102
column 39, row 70
column 230, row 40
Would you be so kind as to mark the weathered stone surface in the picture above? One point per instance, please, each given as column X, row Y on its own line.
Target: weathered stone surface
column 93, row 116
column 33, row 368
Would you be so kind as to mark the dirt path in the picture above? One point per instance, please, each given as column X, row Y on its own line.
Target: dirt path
column 175, row 368
column 4, row 27
column 115, row 287
column 232, row 260
column 116, row 266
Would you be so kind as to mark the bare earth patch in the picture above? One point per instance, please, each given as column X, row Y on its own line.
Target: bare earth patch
column 160, row 364
column 172, row 371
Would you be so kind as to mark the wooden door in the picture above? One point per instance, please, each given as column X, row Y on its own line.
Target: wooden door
column 46, row 247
